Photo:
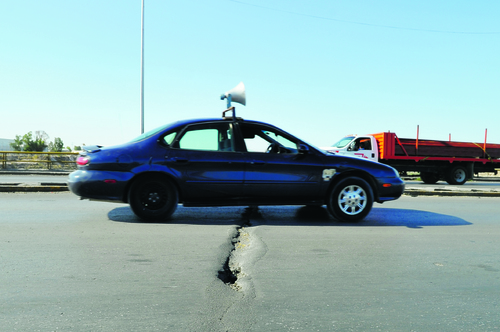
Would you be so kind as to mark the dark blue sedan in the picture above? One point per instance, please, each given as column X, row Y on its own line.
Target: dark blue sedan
column 229, row 162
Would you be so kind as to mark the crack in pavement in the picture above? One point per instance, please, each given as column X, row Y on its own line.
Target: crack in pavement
column 231, row 301
column 232, row 272
column 243, row 245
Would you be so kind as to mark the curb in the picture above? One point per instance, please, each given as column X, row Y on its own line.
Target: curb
column 38, row 188
column 441, row 192
column 35, row 172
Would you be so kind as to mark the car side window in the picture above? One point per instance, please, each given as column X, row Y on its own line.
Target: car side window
column 256, row 144
column 212, row 137
column 360, row 144
column 260, row 139
column 168, row 139
column 365, row 144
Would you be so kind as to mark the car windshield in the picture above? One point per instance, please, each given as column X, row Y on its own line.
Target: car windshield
column 151, row 133
column 343, row 142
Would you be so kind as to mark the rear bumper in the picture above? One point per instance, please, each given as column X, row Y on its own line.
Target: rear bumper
column 100, row 185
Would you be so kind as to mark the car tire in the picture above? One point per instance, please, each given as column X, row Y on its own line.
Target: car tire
column 429, row 177
column 153, row 199
column 456, row 175
column 350, row 200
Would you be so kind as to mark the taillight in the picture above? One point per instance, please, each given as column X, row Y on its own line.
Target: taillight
column 82, row 160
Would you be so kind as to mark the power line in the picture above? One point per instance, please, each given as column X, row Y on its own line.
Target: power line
column 365, row 24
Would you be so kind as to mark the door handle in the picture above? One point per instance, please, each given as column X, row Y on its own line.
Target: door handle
column 257, row 162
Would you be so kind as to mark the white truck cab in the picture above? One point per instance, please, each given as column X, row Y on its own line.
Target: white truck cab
column 356, row 146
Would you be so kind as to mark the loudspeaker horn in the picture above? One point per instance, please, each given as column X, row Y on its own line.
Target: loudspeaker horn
column 237, row 94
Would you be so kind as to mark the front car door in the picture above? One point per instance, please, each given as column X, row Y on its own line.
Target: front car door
column 277, row 171
column 362, row 147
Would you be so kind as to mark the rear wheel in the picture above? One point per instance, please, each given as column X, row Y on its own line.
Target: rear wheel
column 350, row 200
column 456, row 175
column 429, row 177
column 153, row 198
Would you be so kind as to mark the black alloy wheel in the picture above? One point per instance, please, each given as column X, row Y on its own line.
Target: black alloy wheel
column 153, row 199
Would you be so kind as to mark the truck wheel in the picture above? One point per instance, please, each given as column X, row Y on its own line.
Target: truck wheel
column 456, row 175
column 153, row 198
column 429, row 177
column 350, row 200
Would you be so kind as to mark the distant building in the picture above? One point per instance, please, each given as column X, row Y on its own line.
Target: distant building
column 5, row 144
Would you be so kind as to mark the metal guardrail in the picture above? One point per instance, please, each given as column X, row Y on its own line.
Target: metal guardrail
column 38, row 160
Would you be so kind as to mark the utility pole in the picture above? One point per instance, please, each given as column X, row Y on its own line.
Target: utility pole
column 142, row 68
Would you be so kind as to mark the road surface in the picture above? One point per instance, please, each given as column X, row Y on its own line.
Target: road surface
column 415, row 264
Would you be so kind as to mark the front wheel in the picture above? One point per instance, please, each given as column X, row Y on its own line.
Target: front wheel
column 350, row 200
column 153, row 198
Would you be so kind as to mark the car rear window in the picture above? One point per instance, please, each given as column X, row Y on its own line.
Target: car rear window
column 151, row 133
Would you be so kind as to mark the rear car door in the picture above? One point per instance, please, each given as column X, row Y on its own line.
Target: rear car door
column 206, row 163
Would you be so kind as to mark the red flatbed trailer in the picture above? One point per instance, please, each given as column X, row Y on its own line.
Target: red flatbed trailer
column 392, row 147
column 438, row 159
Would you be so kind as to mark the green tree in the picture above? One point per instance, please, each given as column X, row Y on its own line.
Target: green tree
column 17, row 145
column 41, row 139
column 57, row 145
column 37, row 143
column 29, row 143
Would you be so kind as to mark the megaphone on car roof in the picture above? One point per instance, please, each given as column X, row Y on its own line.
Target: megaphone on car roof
column 236, row 94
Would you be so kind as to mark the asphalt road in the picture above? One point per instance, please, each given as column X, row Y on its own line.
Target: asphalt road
column 416, row 264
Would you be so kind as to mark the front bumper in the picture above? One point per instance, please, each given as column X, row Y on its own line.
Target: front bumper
column 390, row 189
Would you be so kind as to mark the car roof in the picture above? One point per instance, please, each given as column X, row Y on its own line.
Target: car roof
column 201, row 120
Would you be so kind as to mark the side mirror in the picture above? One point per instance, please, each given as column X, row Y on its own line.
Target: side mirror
column 303, row 149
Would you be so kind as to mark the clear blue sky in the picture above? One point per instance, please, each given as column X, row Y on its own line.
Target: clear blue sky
column 318, row 69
